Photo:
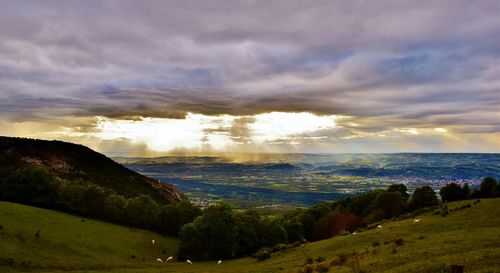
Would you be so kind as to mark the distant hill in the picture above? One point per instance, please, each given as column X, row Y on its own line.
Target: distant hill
column 77, row 162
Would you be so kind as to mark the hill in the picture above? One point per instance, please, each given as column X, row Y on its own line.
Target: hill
column 468, row 235
column 67, row 242
column 77, row 162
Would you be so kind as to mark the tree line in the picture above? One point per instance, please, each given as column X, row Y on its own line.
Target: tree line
column 38, row 186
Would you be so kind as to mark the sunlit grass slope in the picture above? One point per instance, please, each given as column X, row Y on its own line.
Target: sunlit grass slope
column 469, row 236
column 70, row 242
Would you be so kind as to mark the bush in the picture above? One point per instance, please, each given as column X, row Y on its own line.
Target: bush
column 263, row 255
column 399, row 242
column 320, row 259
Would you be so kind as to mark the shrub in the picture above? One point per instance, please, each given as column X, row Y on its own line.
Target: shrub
column 322, row 268
column 262, row 255
column 399, row 242
column 320, row 259
column 375, row 244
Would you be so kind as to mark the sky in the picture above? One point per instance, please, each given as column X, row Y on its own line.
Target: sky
column 149, row 78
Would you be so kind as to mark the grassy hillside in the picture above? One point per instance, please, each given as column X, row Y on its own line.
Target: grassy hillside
column 77, row 162
column 468, row 236
column 69, row 242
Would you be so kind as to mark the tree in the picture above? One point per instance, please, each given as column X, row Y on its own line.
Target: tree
column 70, row 197
column 114, row 206
column 401, row 188
column 465, row 191
column 94, row 200
column 496, row 191
column 451, row 192
column 294, row 230
column 141, row 211
column 271, row 232
column 246, row 225
column 360, row 204
column 423, row 197
column 392, row 203
column 173, row 216
column 334, row 223
column 487, row 186
column 210, row 236
column 31, row 185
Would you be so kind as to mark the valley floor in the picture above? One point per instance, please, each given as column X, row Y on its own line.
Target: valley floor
column 469, row 236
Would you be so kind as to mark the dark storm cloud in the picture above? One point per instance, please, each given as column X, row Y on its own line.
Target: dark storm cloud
column 409, row 63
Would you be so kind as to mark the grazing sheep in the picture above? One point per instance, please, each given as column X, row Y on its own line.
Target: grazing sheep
column 354, row 233
column 379, row 226
column 219, row 262
column 169, row 259
column 153, row 242
column 416, row 220
column 189, row 262
column 159, row 260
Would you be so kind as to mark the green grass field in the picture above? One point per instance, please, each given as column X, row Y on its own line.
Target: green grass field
column 470, row 236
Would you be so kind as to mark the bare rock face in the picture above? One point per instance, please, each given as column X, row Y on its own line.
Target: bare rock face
column 168, row 190
column 77, row 162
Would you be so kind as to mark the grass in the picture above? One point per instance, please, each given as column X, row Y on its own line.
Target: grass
column 469, row 236
column 69, row 242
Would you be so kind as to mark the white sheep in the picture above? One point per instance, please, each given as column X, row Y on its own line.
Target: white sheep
column 153, row 242
column 219, row 262
column 354, row 233
column 416, row 220
column 169, row 259
column 379, row 226
column 159, row 260
column 189, row 262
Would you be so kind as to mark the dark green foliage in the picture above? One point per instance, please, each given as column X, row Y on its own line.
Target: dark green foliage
column 114, row 208
column 141, row 211
column 423, row 197
column 487, row 186
column 294, row 230
column 29, row 184
column 210, row 236
column 93, row 200
column 173, row 216
column 360, row 203
column 247, row 227
column 451, row 192
column 496, row 190
column 465, row 191
column 271, row 233
column 392, row 203
column 401, row 188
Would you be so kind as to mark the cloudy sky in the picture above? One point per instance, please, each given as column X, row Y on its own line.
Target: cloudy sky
column 157, row 77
